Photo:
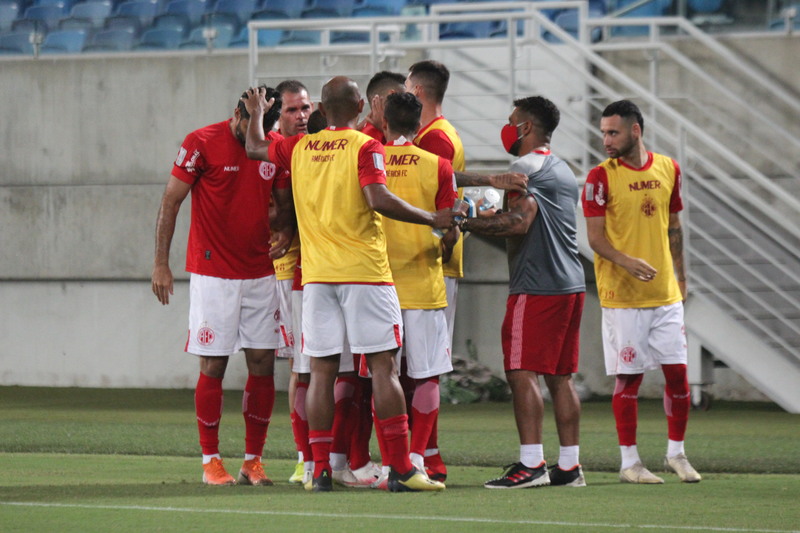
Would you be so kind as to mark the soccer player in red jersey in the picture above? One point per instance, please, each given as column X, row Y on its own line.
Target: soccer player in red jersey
column 233, row 299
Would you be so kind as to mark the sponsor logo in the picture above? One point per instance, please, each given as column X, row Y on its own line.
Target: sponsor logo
column 599, row 197
column 644, row 185
column 206, row 336
column 277, row 316
column 181, row 156
column 334, row 144
column 267, row 170
column 232, row 168
column 193, row 161
column 402, row 159
column 648, row 207
column 627, row 354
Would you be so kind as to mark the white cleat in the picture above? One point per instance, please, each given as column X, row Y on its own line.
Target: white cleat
column 640, row 475
column 680, row 465
column 367, row 474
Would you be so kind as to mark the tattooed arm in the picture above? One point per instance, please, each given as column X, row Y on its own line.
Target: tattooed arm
column 675, row 234
column 515, row 222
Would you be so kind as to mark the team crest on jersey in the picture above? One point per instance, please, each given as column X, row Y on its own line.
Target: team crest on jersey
column 627, row 354
column 266, row 170
column 648, row 206
column 277, row 316
column 206, row 336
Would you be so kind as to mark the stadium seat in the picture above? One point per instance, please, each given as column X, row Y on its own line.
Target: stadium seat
column 280, row 9
column 124, row 22
column 237, row 12
column 8, row 14
column 655, row 8
column 300, row 37
column 94, row 12
column 142, row 10
column 16, row 43
column 482, row 29
column 329, row 9
column 176, row 21
column 568, row 21
column 192, row 9
column 40, row 18
column 265, row 38
column 159, row 39
column 64, row 42
column 378, row 8
column 112, row 40
column 197, row 37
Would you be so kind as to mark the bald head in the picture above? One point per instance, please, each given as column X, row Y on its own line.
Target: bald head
column 341, row 101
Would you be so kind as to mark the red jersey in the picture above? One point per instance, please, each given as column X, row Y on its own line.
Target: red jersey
column 229, row 232
column 373, row 132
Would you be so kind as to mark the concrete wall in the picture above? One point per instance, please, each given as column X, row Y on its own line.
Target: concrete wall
column 87, row 145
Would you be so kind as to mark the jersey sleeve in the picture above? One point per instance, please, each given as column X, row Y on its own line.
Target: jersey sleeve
column 448, row 190
column 189, row 164
column 676, row 200
column 371, row 167
column 280, row 150
column 595, row 193
column 437, row 142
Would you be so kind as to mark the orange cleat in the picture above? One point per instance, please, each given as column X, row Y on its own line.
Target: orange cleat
column 252, row 473
column 214, row 474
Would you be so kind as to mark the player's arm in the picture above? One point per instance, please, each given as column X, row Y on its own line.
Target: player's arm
column 284, row 224
column 636, row 267
column 522, row 210
column 382, row 200
column 256, row 144
column 175, row 193
column 675, row 233
column 509, row 181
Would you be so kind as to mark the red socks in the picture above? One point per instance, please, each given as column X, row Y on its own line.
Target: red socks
column 300, row 422
column 395, row 439
column 208, row 408
column 425, row 412
column 321, row 449
column 625, row 404
column 343, row 419
column 676, row 400
column 257, row 403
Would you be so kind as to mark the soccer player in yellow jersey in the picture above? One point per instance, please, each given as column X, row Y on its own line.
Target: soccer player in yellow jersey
column 426, row 181
column 339, row 189
column 428, row 80
column 632, row 202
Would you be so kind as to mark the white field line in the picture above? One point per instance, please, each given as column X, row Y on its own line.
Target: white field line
column 454, row 519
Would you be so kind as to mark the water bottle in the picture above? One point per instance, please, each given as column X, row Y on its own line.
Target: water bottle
column 489, row 196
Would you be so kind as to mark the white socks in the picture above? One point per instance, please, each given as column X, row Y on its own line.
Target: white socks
column 630, row 456
column 568, row 457
column 674, row 447
column 531, row 455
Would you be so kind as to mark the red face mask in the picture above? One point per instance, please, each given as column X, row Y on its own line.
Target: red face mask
column 511, row 138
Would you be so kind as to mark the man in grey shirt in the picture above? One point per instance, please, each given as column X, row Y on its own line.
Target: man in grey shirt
column 541, row 328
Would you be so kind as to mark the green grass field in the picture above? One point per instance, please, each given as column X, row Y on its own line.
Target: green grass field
column 127, row 460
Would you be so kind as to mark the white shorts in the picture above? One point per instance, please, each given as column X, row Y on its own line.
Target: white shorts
column 635, row 340
column 301, row 364
column 451, row 288
column 425, row 343
column 226, row 315
column 366, row 316
column 285, row 319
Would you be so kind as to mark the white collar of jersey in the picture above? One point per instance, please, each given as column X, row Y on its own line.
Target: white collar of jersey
column 400, row 141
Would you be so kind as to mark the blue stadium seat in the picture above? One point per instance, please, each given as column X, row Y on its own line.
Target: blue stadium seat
column 8, row 14
column 280, row 9
column 704, row 6
column 176, row 21
column 378, row 8
column 192, row 9
column 64, row 42
column 265, row 38
column 159, row 39
column 656, row 8
column 124, row 22
column 112, row 40
column 16, row 43
column 142, row 10
column 482, row 29
column 95, row 12
column 568, row 21
column 329, row 8
column 40, row 18
column 300, row 37
column 238, row 12
column 65, row 4
column 197, row 40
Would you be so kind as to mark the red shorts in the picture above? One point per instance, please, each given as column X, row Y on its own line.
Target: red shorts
column 541, row 333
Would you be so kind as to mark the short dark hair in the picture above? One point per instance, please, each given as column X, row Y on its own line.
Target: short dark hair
column 271, row 116
column 433, row 76
column 316, row 122
column 543, row 111
column 402, row 112
column 627, row 110
column 382, row 81
column 290, row 86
